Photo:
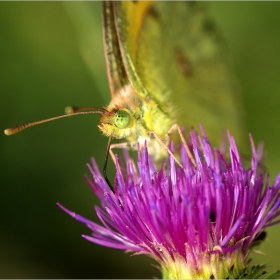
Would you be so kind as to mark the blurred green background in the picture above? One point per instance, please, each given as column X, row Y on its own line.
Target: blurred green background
column 45, row 50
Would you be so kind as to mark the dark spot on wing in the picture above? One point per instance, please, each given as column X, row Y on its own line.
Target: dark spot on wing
column 191, row 3
column 183, row 63
column 208, row 26
column 154, row 13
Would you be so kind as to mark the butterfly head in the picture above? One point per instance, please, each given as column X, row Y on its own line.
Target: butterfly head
column 117, row 123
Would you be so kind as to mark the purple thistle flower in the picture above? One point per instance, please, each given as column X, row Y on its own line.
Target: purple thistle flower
column 198, row 222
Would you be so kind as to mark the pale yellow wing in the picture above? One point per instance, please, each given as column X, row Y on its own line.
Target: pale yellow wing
column 115, row 69
column 173, row 55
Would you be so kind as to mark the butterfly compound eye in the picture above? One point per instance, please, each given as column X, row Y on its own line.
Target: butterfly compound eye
column 122, row 119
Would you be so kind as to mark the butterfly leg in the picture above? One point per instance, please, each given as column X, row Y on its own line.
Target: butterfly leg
column 105, row 165
column 123, row 145
column 109, row 150
column 173, row 128
column 161, row 142
column 176, row 127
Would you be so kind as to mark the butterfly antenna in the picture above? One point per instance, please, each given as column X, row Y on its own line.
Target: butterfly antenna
column 105, row 165
column 72, row 109
column 18, row 128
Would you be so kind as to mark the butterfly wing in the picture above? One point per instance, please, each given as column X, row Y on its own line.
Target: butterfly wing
column 173, row 55
column 115, row 67
column 126, row 86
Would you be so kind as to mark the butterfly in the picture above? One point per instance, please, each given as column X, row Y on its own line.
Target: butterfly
column 166, row 65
